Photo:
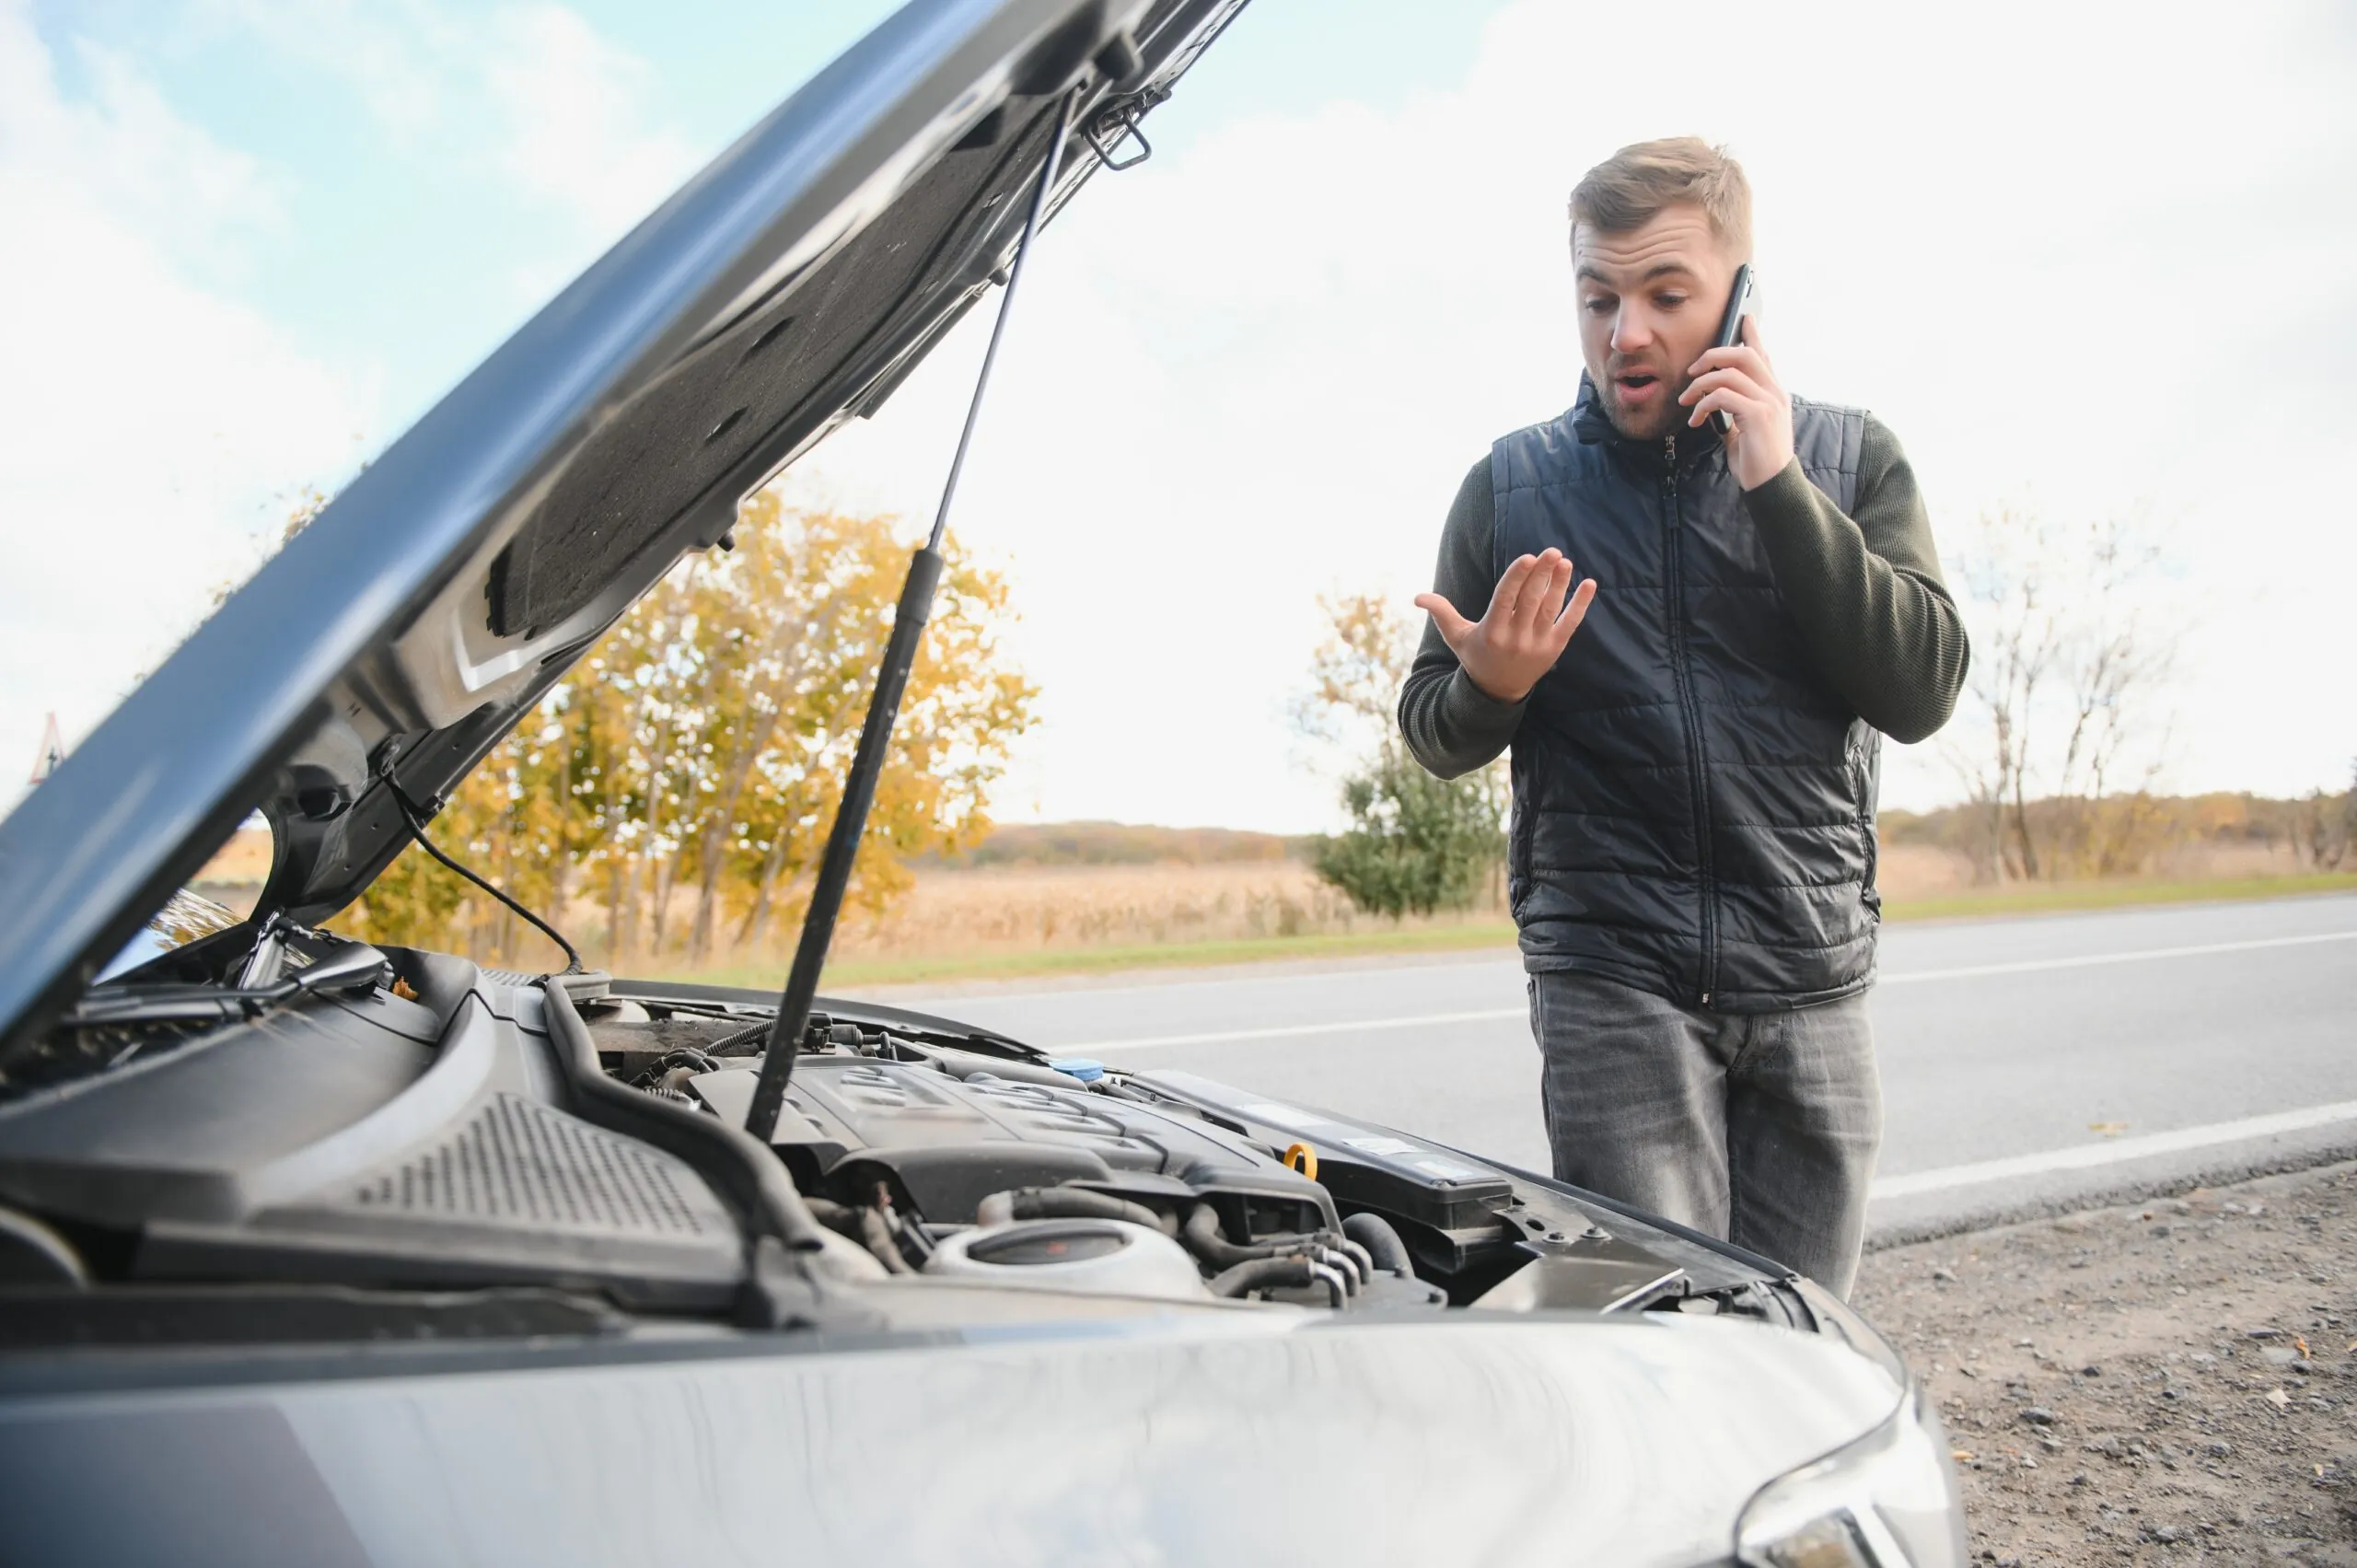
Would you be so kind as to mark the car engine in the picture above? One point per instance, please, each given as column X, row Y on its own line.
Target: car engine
column 400, row 1142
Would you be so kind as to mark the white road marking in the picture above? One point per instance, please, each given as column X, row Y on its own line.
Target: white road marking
column 1504, row 958
column 2092, row 960
column 1492, row 1015
column 2115, row 1151
column 1290, row 1031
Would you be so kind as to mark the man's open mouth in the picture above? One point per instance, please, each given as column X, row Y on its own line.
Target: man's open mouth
column 1636, row 384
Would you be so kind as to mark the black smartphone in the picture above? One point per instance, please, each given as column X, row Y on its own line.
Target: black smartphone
column 1731, row 328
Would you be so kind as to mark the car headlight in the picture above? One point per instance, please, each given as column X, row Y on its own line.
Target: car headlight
column 1887, row 1501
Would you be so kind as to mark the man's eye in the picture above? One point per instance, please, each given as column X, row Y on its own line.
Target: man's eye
column 1599, row 307
column 1669, row 301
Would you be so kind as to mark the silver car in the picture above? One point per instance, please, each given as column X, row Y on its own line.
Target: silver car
column 313, row 1252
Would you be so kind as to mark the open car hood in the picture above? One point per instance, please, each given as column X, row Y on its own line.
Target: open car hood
column 786, row 290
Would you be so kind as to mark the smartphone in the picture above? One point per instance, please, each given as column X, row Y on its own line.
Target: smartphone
column 1731, row 328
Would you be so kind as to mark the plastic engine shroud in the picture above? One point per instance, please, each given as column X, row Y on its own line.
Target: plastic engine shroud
column 947, row 1142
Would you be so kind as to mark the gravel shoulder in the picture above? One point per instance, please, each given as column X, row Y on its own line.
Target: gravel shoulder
column 2170, row 1381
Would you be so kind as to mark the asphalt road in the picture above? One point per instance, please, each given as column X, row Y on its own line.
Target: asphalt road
column 2026, row 1063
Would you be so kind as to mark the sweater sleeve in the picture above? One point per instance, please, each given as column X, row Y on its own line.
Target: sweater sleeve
column 1452, row 726
column 1866, row 590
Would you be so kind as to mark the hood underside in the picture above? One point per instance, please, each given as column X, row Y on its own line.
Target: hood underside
column 787, row 288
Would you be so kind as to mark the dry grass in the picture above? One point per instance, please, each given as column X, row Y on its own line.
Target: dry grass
column 1911, row 874
column 245, row 858
column 1033, row 909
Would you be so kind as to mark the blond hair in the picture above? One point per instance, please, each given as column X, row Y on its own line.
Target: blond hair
column 1630, row 189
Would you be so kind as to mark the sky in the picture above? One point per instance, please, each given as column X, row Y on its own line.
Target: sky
column 2077, row 266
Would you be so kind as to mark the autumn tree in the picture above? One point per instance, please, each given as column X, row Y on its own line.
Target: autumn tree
column 2327, row 831
column 2066, row 720
column 1415, row 844
column 682, row 778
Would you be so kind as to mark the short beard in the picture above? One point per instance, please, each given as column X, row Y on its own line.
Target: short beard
column 1663, row 422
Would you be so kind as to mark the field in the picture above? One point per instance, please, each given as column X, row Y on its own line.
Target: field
column 1018, row 920
column 1060, row 902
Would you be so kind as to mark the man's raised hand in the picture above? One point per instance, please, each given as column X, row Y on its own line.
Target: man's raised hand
column 1523, row 633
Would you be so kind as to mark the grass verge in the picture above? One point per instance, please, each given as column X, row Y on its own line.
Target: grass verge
column 2059, row 897
column 2055, row 899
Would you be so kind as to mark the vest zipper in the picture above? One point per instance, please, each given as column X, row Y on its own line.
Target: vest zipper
column 1681, row 670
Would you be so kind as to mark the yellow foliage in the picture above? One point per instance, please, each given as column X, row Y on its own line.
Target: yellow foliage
column 1356, row 673
column 683, row 777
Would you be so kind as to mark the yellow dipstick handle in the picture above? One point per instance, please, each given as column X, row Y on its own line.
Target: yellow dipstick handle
column 1303, row 1158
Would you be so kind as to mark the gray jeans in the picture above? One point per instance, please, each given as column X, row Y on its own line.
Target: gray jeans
column 1760, row 1128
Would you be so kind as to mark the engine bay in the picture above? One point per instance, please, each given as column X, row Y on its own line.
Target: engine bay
column 410, row 1147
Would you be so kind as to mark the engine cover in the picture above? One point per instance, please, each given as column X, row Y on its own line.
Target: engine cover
column 949, row 1131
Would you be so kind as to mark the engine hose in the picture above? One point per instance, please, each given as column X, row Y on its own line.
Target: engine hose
column 1337, row 1293
column 1361, row 1256
column 1064, row 1203
column 879, row 1237
column 1201, row 1237
column 1264, row 1274
column 1345, row 1266
column 1382, row 1243
column 837, row 1217
column 747, row 1173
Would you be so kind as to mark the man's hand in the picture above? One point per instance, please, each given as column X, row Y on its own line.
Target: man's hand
column 1523, row 630
column 1740, row 383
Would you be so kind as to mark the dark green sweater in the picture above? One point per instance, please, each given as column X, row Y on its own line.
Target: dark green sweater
column 1865, row 591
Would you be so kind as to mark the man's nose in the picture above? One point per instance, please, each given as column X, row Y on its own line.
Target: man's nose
column 1631, row 332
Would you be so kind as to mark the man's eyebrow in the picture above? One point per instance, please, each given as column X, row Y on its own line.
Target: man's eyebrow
column 1658, row 269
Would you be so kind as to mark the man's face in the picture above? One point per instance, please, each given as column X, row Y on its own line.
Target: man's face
column 1650, row 302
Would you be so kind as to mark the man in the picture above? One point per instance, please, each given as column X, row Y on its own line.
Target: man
column 1692, row 861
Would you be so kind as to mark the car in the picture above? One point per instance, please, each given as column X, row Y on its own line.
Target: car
column 317, row 1251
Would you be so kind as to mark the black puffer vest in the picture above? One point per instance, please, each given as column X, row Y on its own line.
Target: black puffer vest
column 1693, row 807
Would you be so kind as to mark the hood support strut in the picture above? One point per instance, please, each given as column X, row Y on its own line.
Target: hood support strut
column 891, row 682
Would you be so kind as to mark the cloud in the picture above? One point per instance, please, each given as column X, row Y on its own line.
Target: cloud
column 2060, row 257
column 149, row 419
column 574, row 126
column 158, row 420
column 529, row 93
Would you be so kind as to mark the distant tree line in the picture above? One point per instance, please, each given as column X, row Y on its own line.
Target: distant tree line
column 2134, row 834
column 1124, row 843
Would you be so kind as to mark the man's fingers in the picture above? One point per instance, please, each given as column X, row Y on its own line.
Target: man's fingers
column 1738, row 406
column 1559, row 583
column 1533, row 591
column 1508, row 592
column 1740, row 356
column 1573, row 613
column 1736, row 377
column 1542, row 591
column 1452, row 625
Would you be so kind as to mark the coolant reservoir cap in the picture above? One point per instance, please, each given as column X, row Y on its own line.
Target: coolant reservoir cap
column 1028, row 1245
column 1080, row 1067
column 1113, row 1256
